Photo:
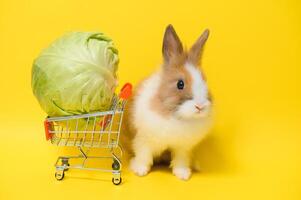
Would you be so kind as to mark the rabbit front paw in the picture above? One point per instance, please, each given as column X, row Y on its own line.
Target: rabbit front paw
column 182, row 173
column 139, row 168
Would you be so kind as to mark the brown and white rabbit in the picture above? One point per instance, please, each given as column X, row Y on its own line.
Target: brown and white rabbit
column 171, row 109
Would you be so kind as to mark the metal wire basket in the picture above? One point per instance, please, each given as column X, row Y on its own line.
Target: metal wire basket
column 86, row 131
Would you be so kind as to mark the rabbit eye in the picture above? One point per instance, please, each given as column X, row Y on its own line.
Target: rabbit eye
column 180, row 84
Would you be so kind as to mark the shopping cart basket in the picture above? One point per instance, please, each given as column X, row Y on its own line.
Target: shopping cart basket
column 86, row 131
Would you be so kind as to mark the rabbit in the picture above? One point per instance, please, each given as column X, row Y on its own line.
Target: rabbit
column 170, row 110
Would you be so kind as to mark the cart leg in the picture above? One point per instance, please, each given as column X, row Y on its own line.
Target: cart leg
column 60, row 169
column 116, row 166
column 82, row 152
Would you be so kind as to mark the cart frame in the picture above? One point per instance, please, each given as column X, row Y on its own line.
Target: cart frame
column 88, row 131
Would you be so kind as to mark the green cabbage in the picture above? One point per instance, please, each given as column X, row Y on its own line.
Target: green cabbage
column 76, row 74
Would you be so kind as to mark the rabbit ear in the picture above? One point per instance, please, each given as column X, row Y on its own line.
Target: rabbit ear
column 195, row 53
column 172, row 46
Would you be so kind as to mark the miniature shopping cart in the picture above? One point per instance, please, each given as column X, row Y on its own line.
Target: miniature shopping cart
column 87, row 131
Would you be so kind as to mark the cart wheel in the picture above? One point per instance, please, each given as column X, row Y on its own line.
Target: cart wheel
column 115, row 165
column 116, row 181
column 59, row 175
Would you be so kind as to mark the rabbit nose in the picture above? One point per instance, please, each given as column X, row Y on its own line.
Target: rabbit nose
column 199, row 107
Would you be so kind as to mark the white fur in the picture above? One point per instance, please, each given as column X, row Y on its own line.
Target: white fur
column 183, row 173
column 199, row 87
column 179, row 133
column 199, row 91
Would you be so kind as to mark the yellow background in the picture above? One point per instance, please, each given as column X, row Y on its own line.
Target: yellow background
column 252, row 62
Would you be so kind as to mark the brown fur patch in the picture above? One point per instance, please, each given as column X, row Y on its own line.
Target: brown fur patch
column 168, row 96
column 128, row 129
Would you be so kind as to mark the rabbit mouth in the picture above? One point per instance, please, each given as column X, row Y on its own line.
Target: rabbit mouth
column 191, row 110
column 199, row 108
column 202, row 113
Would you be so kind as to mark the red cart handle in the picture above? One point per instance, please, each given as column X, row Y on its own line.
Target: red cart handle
column 126, row 91
column 47, row 126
